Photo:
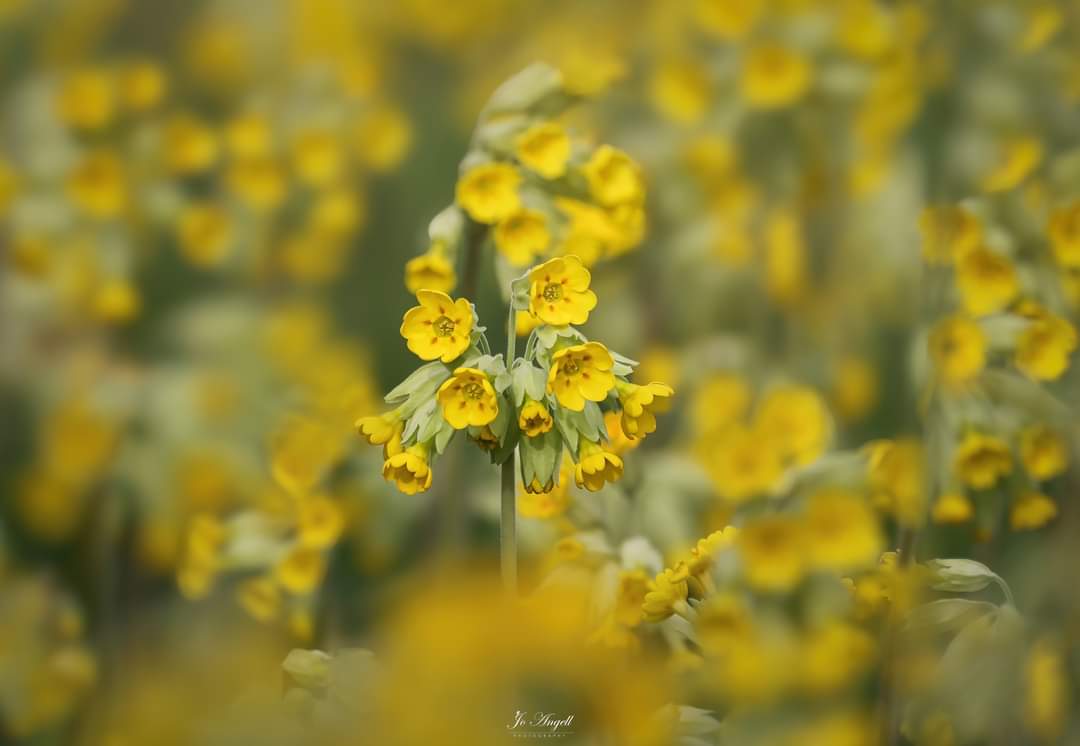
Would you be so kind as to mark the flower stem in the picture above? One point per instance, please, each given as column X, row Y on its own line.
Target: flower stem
column 508, row 517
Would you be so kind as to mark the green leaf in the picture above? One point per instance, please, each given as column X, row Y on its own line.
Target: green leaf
column 947, row 614
column 430, row 427
column 444, row 436
column 418, row 422
column 594, row 418
column 519, row 293
column 566, row 428
column 528, row 380
column 540, row 457
column 426, row 377
column 624, row 366
column 960, row 575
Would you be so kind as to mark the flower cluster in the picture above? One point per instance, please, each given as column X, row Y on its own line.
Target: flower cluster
column 557, row 395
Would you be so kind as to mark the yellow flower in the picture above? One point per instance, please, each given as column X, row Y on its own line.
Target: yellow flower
column 1044, row 347
column 667, row 591
column 249, row 136
column 723, row 623
column 534, row 418
column 831, row 657
column 681, row 90
column 190, row 146
column 141, row 86
column 613, row 177
column 205, row 234
column 987, row 282
column 774, row 76
column 842, row 531
column 630, row 593
column 958, row 349
column 86, row 100
column 855, row 388
column 98, row 185
column 320, row 522
column 301, row 570
column 1043, row 452
column 1018, row 158
column 981, row 459
column 1031, row 510
column 467, row 399
column 301, row 451
column 521, row 236
column 430, row 271
column 952, row 507
column 9, row 185
column 596, row 466
column 896, row 478
column 1047, row 694
column 559, row 292
column 701, row 555
column 772, row 550
column 318, row 158
column 796, row 419
column 720, row 401
column 524, row 323
column 117, row 300
column 785, row 257
column 729, row 20
column 378, row 430
column 489, row 192
column 383, row 138
column 260, row 597
column 544, row 148
column 579, row 373
column 439, row 328
column 409, row 470
column 1064, row 230
column 742, row 463
column 1042, row 21
column 640, row 404
column 948, row 233
column 259, row 183
column 618, row 441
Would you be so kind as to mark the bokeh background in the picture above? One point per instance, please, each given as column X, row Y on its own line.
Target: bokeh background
column 855, row 256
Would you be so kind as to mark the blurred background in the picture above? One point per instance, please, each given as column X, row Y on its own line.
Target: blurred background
column 856, row 260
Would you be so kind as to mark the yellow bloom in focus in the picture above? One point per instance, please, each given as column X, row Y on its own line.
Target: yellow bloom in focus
column 544, row 148
column 1046, row 689
column 772, row 550
column 98, row 186
column 320, row 522
column 987, row 282
column 580, row 373
column 1044, row 347
column 613, row 177
column 640, row 404
column 409, row 470
column 729, row 20
column 467, row 399
column 430, row 271
column 842, row 531
column 489, row 192
column 618, row 441
column 301, row 571
column 596, row 466
column 439, row 328
column 190, row 146
column 774, row 76
column 521, row 236
column 534, row 419
column 1064, row 232
column 958, row 350
column 666, row 592
column 742, row 463
column 205, row 234
column 948, row 233
column 981, row 459
column 1018, row 158
column 1031, row 510
column 559, row 292
column 796, row 419
column 1043, row 452
column 702, row 554
column 86, row 100
column 378, row 430
column 952, row 507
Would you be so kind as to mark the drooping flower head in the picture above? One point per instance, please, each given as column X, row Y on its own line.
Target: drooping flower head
column 640, row 405
column 409, row 470
column 468, row 399
column 958, row 350
column 596, row 466
column 430, row 271
column 439, row 328
column 534, row 419
column 489, row 192
column 379, row 429
column 544, row 148
column 579, row 373
column 559, row 292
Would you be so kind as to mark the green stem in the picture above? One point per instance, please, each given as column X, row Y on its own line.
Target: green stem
column 507, row 520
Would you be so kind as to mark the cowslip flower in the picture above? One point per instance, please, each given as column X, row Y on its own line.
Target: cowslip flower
column 640, row 404
column 1064, row 232
column 521, row 236
column 489, row 192
column 559, row 292
column 1031, row 510
column 958, row 349
column 981, row 459
column 430, row 271
column 579, row 373
column 987, row 281
column 379, row 429
column 1044, row 347
column 948, row 233
column 544, row 148
column 665, row 592
column 774, row 76
column 409, row 469
column 773, row 551
column 1043, row 452
column 439, row 328
column 534, row 418
column 467, row 399
column 614, row 178
column 596, row 466
column 952, row 507
column 842, row 531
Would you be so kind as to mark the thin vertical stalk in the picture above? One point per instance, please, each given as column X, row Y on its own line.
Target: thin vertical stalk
column 508, row 517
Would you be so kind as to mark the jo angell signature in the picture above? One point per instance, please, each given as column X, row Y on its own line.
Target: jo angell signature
column 538, row 720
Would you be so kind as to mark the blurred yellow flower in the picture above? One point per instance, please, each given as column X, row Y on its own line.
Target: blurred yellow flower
column 842, row 531
column 774, row 76
column 117, row 301
column 721, row 400
column 681, row 90
column 382, row 138
column 141, row 86
column 1046, row 690
column 86, row 100
column 534, row 418
column 98, row 185
column 742, row 463
column 1044, row 347
column 318, row 158
column 641, row 404
column 260, row 183
column 301, row 570
column 260, row 597
column 579, row 373
column 1031, row 510
column 1064, row 233
column 430, row 271
column 1043, row 452
column 952, row 507
column 559, row 292
column 521, row 236
column 981, row 459
column 596, row 466
column 785, row 257
column 544, row 148
column 987, row 281
column 773, row 552
column 190, row 146
column 1017, row 158
column 320, row 522
column 467, row 399
column 796, row 420
column 489, row 192
column 248, row 136
column 613, row 177
column 439, row 328
column 949, row 232
column 205, row 234
column 855, row 388
column 730, row 20
column 666, row 592
column 301, row 451
column 958, row 350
